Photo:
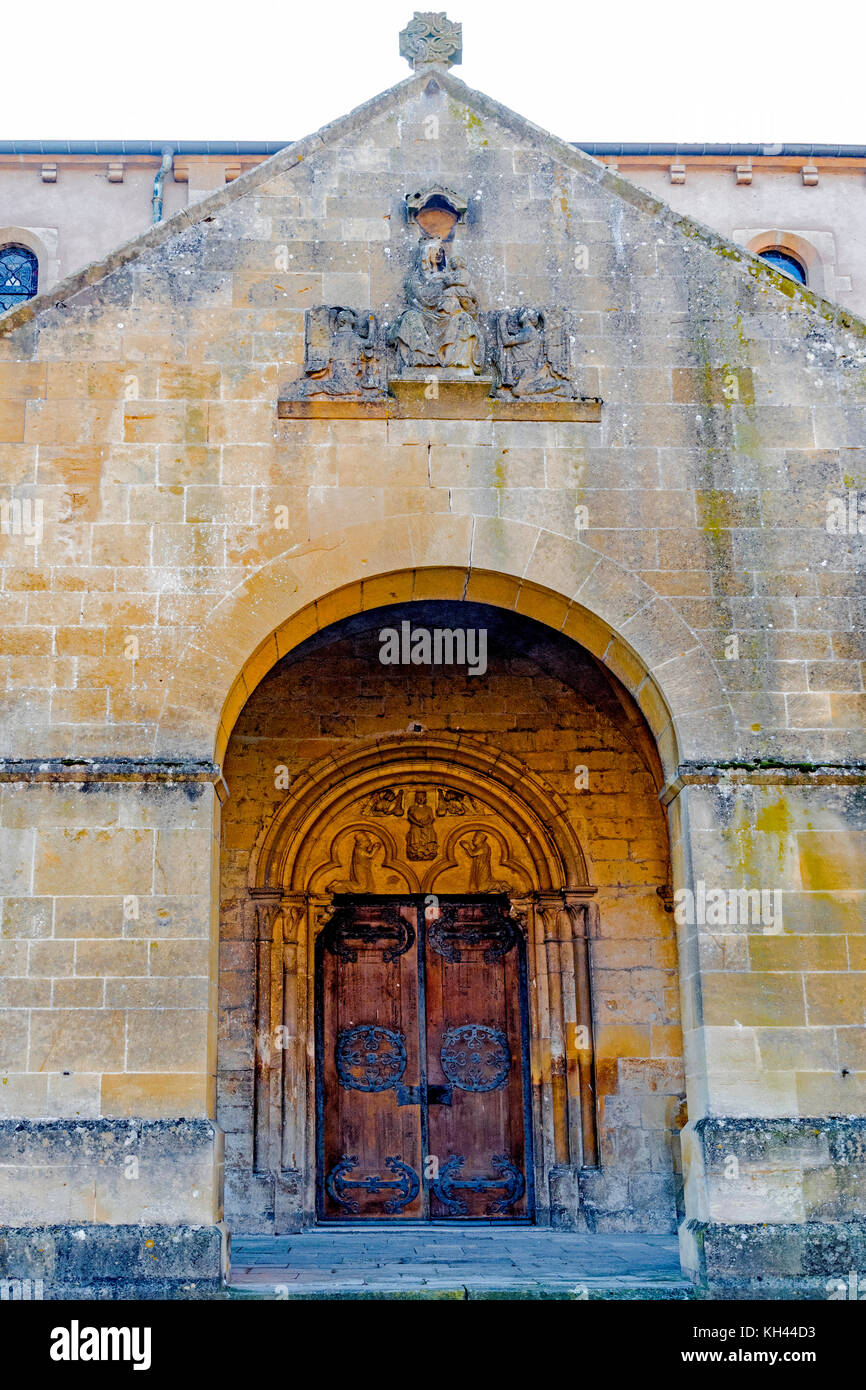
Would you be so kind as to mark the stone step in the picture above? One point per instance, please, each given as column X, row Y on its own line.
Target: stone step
column 494, row 1289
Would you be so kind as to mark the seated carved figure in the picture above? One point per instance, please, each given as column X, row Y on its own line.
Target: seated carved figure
column 440, row 326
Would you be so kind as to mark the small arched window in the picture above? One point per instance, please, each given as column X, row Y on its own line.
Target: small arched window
column 19, row 274
column 782, row 260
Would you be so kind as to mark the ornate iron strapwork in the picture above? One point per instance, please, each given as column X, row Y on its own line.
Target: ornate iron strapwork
column 497, row 933
column 19, row 273
column 475, row 1058
column 405, row 1183
column 370, row 1058
column 344, row 934
column 510, row 1180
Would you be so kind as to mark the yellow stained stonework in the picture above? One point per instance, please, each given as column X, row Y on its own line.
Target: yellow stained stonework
column 668, row 735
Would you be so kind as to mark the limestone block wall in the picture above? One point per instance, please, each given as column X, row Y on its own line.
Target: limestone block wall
column 189, row 539
column 783, row 993
column 142, row 414
column 107, row 968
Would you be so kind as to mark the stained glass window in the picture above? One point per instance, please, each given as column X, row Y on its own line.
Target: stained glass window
column 784, row 261
column 19, row 271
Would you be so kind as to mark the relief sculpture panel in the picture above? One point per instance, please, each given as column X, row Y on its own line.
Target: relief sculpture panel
column 419, row 838
column 443, row 353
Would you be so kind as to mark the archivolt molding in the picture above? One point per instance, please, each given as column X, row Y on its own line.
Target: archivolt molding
column 531, row 834
column 559, row 582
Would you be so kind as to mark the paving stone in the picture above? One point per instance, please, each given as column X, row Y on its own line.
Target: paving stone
column 528, row 1260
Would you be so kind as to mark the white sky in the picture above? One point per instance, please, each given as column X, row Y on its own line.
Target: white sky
column 639, row 70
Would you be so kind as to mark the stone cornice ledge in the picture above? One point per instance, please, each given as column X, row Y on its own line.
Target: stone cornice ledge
column 762, row 774
column 163, row 771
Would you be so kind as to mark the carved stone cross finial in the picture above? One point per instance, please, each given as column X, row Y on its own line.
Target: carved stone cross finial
column 431, row 37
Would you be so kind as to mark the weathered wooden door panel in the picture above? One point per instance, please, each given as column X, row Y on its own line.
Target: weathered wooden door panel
column 370, row 1158
column 421, row 1063
column 475, row 1058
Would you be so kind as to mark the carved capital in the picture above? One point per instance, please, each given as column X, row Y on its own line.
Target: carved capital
column 548, row 905
column 264, row 909
column 582, row 911
column 293, row 907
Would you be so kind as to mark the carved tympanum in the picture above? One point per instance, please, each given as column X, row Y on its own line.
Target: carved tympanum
column 420, row 836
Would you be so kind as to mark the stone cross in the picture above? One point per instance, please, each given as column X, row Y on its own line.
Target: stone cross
column 431, row 37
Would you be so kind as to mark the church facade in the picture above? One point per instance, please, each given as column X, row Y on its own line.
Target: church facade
column 433, row 762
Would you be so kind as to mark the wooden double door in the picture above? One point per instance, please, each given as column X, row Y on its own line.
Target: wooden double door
column 421, row 1066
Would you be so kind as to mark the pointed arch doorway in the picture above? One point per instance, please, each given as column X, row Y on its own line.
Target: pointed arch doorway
column 422, row 919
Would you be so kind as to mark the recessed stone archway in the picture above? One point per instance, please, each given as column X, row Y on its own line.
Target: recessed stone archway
column 559, row 581
column 300, row 854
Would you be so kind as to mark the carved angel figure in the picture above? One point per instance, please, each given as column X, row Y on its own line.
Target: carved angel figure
column 450, row 802
column 532, row 353
column 386, row 802
column 341, row 353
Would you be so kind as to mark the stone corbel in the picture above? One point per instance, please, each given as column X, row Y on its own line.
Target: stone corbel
column 322, row 909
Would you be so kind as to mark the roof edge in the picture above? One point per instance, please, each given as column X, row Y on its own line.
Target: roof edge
column 288, row 158
column 606, row 148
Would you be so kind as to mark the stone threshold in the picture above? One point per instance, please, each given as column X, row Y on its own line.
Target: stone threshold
column 564, row 1291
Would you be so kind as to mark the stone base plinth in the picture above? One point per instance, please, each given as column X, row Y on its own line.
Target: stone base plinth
column 813, row 1260
column 113, row 1262
column 131, row 1171
column 777, row 1207
column 745, row 1169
